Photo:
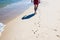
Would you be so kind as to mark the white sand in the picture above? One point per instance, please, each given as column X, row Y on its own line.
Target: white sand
column 45, row 25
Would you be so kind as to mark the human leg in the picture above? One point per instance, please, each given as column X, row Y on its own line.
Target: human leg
column 35, row 8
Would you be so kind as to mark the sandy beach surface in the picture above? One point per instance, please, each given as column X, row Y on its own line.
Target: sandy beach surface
column 45, row 25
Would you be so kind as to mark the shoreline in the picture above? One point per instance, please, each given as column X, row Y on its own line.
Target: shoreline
column 45, row 25
column 4, row 3
column 12, row 11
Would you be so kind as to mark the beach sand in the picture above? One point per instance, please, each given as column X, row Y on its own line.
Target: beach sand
column 45, row 25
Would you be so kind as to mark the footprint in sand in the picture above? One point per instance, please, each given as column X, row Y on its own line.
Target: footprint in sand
column 38, row 24
column 58, row 36
column 55, row 30
column 35, row 31
column 37, row 36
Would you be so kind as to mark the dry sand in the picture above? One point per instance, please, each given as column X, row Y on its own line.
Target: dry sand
column 45, row 25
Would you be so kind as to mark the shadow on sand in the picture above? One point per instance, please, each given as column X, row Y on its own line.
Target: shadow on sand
column 28, row 16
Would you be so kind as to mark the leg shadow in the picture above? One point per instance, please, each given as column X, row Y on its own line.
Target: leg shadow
column 28, row 16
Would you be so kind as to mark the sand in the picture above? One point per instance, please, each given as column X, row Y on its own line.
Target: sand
column 45, row 25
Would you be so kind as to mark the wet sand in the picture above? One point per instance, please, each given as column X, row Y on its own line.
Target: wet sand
column 10, row 12
column 45, row 25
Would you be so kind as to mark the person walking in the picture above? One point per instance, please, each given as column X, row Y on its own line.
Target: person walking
column 36, row 3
